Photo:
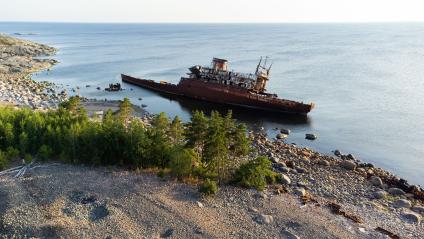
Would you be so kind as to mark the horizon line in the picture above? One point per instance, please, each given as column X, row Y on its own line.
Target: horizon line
column 288, row 22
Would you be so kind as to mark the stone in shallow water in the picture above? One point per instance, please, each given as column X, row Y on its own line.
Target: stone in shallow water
column 311, row 136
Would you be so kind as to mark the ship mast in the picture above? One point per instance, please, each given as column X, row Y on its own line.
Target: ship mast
column 262, row 76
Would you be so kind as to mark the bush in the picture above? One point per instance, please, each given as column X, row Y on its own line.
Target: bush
column 208, row 187
column 182, row 161
column 256, row 173
column 3, row 161
column 44, row 152
column 28, row 158
column 12, row 153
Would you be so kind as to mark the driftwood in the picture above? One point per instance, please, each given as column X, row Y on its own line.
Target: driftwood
column 21, row 170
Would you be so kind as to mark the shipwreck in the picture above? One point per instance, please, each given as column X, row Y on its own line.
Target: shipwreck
column 217, row 84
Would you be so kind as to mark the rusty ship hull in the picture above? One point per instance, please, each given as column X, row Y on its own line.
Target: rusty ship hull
column 222, row 94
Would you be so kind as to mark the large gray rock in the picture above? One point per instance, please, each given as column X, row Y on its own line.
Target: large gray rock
column 396, row 191
column 418, row 209
column 402, row 203
column 311, row 136
column 376, row 181
column 380, row 194
column 411, row 217
column 347, row 164
column 285, row 131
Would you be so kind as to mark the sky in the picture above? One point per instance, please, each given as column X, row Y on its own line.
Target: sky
column 217, row 11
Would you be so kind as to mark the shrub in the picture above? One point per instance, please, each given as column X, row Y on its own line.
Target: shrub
column 255, row 174
column 44, row 152
column 3, row 161
column 28, row 158
column 161, row 174
column 12, row 153
column 182, row 161
column 208, row 187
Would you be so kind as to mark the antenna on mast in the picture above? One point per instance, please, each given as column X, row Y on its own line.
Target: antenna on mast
column 269, row 68
column 257, row 68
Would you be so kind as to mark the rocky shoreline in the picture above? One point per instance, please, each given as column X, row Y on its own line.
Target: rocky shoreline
column 18, row 59
column 368, row 202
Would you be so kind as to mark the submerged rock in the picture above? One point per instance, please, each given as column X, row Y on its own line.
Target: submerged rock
column 311, row 136
column 285, row 131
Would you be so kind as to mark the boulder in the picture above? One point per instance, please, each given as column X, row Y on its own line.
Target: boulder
column 311, row 136
column 285, row 179
column 376, row 181
column 380, row 194
column 411, row 217
column 402, row 203
column 418, row 209
column 324, row 162
column 396, row 191
column 347, row 164
column 281, row 136
column 285, row 131
column 301, row 170
column 337, row 153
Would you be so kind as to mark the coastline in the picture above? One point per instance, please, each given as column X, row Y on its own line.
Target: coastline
column 358, row 188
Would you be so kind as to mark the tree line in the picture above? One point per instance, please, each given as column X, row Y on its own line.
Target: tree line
column 212, row 149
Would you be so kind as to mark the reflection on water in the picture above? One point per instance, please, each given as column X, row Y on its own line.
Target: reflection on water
column 252, row 117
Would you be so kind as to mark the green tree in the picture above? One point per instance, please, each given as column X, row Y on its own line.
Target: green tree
column 125, row 111
column 196, row 131
column 215, row 154
column 176, row 130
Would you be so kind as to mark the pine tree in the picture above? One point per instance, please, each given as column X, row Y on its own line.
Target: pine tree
column 196, row 131
column 176, row 130
column 125, row 111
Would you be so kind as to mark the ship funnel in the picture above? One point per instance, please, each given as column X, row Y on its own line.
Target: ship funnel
column 219, row 64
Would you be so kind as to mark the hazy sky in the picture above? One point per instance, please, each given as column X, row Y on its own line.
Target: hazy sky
column 212, row 10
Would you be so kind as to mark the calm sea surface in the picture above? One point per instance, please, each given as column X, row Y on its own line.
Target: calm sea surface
column 367, row 80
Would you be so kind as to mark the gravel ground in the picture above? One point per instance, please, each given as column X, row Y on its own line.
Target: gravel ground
column 65, row 201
